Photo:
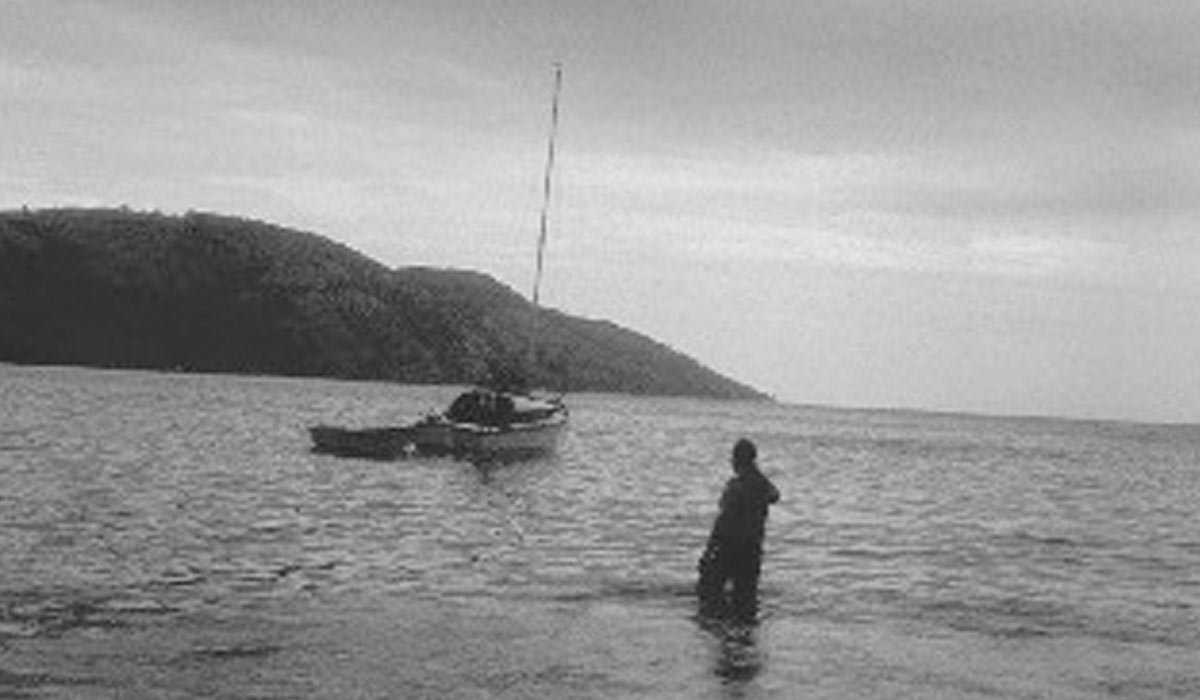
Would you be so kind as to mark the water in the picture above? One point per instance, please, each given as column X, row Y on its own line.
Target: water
column 170, row 536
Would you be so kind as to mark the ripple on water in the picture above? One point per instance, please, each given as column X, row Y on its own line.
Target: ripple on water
column 139, row 504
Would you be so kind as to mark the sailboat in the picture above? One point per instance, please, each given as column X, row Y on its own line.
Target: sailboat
column 484, row 422
column 481, row 424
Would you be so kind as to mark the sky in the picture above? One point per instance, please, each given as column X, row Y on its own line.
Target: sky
column 951, row 205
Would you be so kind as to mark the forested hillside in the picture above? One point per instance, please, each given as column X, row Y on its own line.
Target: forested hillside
column 210, row 293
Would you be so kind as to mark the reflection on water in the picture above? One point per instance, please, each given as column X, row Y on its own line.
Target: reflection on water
column 737, row 660
column 172, row 536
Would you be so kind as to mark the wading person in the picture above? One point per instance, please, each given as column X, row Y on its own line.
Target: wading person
column 734, row 551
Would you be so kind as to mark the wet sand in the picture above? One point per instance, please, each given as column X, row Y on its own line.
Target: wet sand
column 489, row 648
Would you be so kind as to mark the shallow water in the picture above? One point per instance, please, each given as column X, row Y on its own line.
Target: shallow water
column 171, row 536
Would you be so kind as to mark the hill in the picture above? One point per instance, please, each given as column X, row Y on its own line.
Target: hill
column 210, row 293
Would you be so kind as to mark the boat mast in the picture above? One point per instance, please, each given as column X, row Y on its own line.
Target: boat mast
column 541, row 247
column 546, row 182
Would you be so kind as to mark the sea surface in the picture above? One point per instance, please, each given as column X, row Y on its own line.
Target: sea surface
column 171, row 536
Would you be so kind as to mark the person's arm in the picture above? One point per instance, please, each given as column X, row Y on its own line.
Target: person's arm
column 772, row 492
column 728, row 508
column 729, row 495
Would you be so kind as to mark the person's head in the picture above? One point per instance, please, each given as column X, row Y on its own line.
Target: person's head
column 744, row 456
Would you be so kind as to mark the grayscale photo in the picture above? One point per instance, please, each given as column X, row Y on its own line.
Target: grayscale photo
column 594, row 349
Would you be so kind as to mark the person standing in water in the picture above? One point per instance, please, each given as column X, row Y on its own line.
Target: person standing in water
column 734, row 550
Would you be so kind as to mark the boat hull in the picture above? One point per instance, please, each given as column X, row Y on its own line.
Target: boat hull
column 431, row 437
column 524, row 440
column 379, row 443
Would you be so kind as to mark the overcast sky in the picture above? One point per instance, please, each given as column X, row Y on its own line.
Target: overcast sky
column 943, row 204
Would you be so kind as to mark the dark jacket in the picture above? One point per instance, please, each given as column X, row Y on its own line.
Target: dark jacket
column 744, row 505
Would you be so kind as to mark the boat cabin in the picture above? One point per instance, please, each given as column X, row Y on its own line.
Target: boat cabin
column 498, row 409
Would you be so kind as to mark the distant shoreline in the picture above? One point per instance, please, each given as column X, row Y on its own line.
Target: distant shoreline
column 212, row 293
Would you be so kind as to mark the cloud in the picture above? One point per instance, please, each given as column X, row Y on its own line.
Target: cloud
column 1105, row 190
column 881, row 248
column 888, row 76
column 985, row 215
column 1043, row 256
